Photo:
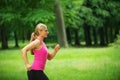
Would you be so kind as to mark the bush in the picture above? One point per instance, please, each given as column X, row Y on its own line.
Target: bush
column 117, row 42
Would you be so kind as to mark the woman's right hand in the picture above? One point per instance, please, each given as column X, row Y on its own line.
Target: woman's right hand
column 57, row 47
column 28, row 67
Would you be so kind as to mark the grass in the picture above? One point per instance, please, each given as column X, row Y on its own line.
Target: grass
column 69, row 64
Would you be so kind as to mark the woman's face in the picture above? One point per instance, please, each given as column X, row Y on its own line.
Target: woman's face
column 44, row 32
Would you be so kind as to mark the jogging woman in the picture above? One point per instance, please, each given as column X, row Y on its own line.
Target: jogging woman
column 35, row 71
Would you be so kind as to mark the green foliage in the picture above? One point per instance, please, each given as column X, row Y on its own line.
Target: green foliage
column 114, row 8
column 23, row 15
column 43, row 16
column 71, row 13
column 117, row 41
column 87, row 16
column 102, row 13
column 6, row 18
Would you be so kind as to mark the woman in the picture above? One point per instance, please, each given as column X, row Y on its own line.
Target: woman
column 41, row 54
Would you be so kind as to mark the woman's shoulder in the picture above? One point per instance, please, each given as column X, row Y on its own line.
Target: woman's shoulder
column 37, row 41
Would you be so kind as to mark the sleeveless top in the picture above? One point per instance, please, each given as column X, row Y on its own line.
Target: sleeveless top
column 40, row 57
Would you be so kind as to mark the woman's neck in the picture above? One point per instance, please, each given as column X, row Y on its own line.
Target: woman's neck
column 40, row 38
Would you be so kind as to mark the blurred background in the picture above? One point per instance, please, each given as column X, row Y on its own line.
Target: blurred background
column 89, row 28
column 73, row 22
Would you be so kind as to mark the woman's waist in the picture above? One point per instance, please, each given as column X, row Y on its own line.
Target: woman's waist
column 39, row 63
column 38, row 66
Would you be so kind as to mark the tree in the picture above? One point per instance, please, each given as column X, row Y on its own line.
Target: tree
column 62, row 39
column 86, row 15
column 98, row 18
column 73, row 24
column 9, row 14
column 114, row 19
column 17, row 19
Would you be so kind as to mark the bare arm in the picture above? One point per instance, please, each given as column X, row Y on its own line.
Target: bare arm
column 24, row 53
column 52, row 55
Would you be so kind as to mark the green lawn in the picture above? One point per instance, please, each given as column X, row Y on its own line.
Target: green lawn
column 69, row 64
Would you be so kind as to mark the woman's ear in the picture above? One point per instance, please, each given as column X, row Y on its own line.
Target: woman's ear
column 39, row 32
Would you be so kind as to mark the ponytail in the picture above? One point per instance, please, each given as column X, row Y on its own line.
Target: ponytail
column 33, row 37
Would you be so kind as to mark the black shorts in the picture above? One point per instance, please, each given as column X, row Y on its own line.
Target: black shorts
column 36, row 75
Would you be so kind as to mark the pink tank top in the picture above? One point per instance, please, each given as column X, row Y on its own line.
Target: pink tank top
column 40, row 57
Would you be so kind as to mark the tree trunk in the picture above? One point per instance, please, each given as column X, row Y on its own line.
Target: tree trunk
column 106, row 35
column 119, row 29
column 29, row 35
column 77, row 42
column 87, row 34
column 68, row 35
column 16, row 40
column 23, row 36
column 95, row 36
column 111, row 35
column 116, row 32
column 4, row 38
column 102, row 38
column 62, row 39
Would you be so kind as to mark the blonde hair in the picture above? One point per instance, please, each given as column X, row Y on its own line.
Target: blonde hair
column 35, row 34
column 39, row 27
